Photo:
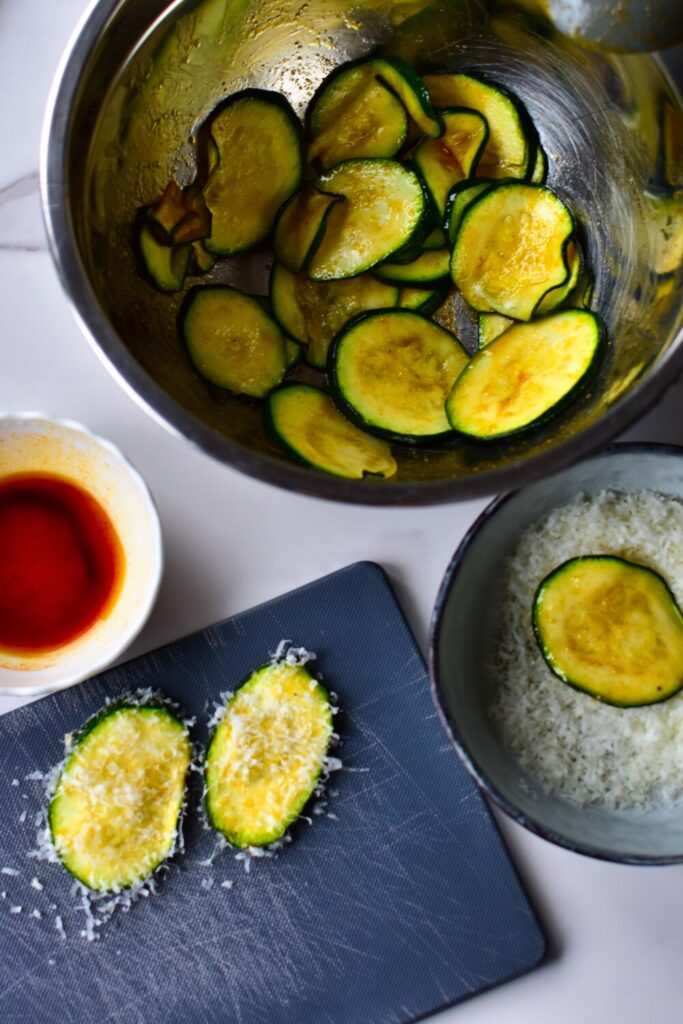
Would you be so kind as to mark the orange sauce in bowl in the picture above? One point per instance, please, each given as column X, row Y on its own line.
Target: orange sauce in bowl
column 61, row 562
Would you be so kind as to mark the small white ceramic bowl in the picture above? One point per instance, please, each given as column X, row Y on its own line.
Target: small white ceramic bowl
column 35, row 443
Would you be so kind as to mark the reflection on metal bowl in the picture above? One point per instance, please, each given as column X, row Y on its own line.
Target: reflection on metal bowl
column 140, row 79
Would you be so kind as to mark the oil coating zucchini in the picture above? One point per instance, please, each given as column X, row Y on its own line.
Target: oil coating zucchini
column 232, row 341
column 611, row 628
column 382, row 210
column 511, row 147
column 115, row 808
column 165, row 265
column 312, row 312
column 308, row 423
column 423, row 300
column 431, row 265
column 267, row 753
column 301, row 227
column 539, row 172
column 525, row 375
column 556, row 296
column 393, row 369
column 260, row 164
column 459, row 199
column 490, row 326
column 509, row 249
column 450, row 159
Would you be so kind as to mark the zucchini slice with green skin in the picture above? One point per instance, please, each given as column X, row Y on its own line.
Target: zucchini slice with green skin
column 491, row 326
column 267, row 754
column 203, row 260
column 611, row 628
column 384, row 206
column 301, row 227
column 393, row 370
column 511, row 147
column 232, row 341
column 436, row 239
column 313, row 311
column 458, row 200
column 307, row 422
column 355, row 116
column 165, row 265
column 450, row 159
column 431, row 265
column 413, row 93
column 423, row 300
column 509, row 249
column 539, row 172
column 525, row 375
column 556, row 296
column 116, row 805
column 260, row 164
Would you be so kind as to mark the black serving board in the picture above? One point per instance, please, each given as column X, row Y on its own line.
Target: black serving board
column 404, row 903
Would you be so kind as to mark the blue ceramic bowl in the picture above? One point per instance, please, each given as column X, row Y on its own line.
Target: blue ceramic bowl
column 461, row 635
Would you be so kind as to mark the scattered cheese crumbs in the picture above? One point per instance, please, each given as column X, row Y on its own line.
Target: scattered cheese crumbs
column 15, row 910
column 34, row 777
column 333, row 764
column 574, row 745
column 3, row 895
column 333, row 817
column 37, row 914
column 292, row 655
column 37, row 885
column 15, row 782
column 207, row 883
column 227, row 883
column 59, row 926
column 22, row 816
column 9, row 871
column 52, row 962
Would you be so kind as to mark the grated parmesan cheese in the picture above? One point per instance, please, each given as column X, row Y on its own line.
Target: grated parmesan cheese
column 592, row 753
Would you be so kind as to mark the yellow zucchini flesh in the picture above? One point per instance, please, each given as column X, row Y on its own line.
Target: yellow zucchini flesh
column 509, row 249
column 525, row 375
column 260, row 164
column 393, row 370
column 384, row 205
column 612, row 628
column 491, row 326
column 301, row 226
column 508, row 151
column 268, row 751
column 312, row 312
column 165, row 265
column 308, row 423
column 116, row 805
column 232, row 341
column 431, row 265
column 451, row 158
column 557, row 296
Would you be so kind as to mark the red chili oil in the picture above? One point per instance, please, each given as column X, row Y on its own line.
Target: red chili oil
column 61, row 562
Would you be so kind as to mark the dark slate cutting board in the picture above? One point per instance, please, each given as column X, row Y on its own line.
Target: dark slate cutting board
column 404, row 904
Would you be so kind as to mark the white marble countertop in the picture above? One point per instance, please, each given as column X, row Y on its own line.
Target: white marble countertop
column 616, row 932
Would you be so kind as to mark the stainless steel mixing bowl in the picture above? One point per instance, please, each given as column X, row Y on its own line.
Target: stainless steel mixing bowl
column 141, row 76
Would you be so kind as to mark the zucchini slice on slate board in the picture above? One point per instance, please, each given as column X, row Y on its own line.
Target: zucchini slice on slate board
column 307, row 422
column 260, row 164
column 392, row 370
column 612, row 628
column 267, row 754
column 525, row 375
column 116, row 805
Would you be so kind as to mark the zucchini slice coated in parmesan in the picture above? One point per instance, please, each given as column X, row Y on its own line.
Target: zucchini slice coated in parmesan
column 258, row 149
column 611, row 628
column 232, row 341
column 267, row 754
column 115, row 809
column 308, row 423
column 525, row 375
column 392, row 370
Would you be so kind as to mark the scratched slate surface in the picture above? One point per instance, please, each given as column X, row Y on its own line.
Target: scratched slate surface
column 404, row 904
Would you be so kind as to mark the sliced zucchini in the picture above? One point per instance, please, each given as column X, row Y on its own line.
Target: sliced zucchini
column 301, row 225
column 355, row 115
column 525, row 375
column 423, row 300
column 203, row 260
column 232, row 341
column 116, row 805
column 393, row 370
column 556, row 296
column 511, row 145
column 611, row 628
column 509, row 249
column 179, row 216
column 309, row 424
column 582, row 294
column 539, row 172
column 458, row 200
column 166, row 265
column 431, row 265
column 260, row 164
column 267, row 753
column 384, row 205
column 436, row 239
column 413, row 93
column 450, row 159
column 313, row 311
column 293, row 352
column 490, row 326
